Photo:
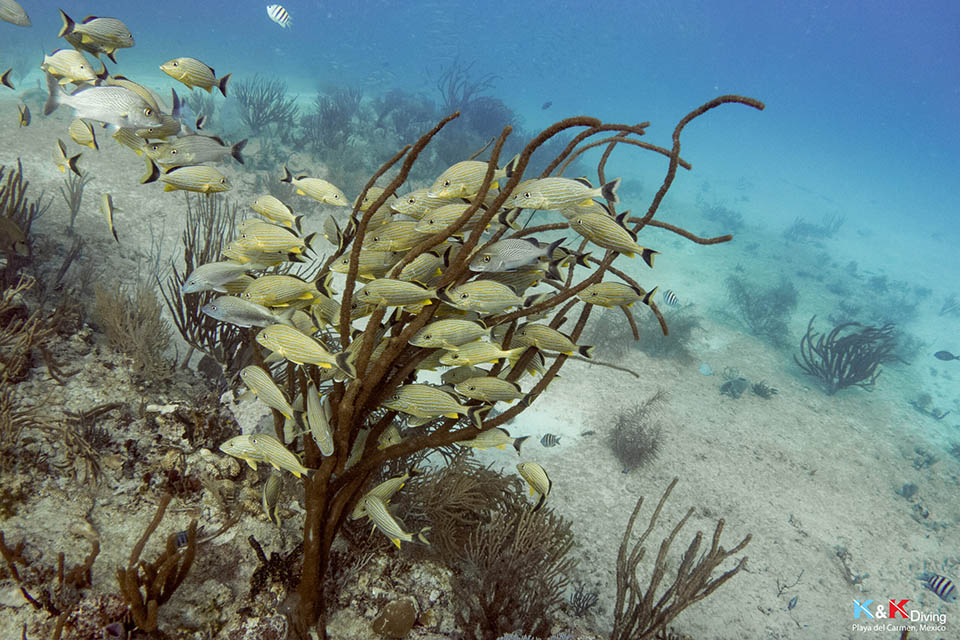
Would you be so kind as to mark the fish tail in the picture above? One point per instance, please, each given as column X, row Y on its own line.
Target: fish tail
column 72, row 163
column 344, row 364
column 422, row 538
column 53, row 95
column 308, row 240
column 647, row 255
column 586, row 352
column 511, row 167
column 222, row 85
column 298, row 223
column 287, row 177
column 647, row 298
column 539, row 504
column 154, row 173
column 476, row 415
column 236, row 149
column 508, row 218
column 5, row 78
column 518, row 442
column 609, row 191
column 68, row 25
column 553, row 269
column 537, row 298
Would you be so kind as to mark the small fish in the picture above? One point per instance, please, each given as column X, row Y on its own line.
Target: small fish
column 511, row 254
column 261, row 385
column 945, row 355
column 611, row 233
column 5, row 78
column 489, row 389
column 63, row 161
column 448, row 334
column 13, row 241
column 266, row 236
column 536, row 476
column 479, row 352
column 279, row 15
column 277, row 455
column 437, row 219
column 940, row 585
column 390, row 437
column 319, row 414
column 482, row 296
column 425, row 401
column 69, row 66
column 107, row 207
column 95, row 34
column 376, row 509
column 241, row 447
column 196, row 178
column 13, row 13
column 316, row 188
column 792, row 603
column 495, row 438
column 463, row 180
column 278, row 290
column 546, row 105
column 615, row 294
column 559, row 193
column 270, row 497
column 669, row 298
column 416, row 203
column 396, row 235
column 195, row 149
column 240, row 312
column 24, row 115
column 200, row 122
column 550, row 440
column 371, row 264
column 194, row 73
column 128, row 138
column 546, row 338
column 274, row 210
column 388, row 292
column 299, row 348
column 456, row 375
column 214, row 276
column 385, row 490
column 82, row 133
column 118, row 106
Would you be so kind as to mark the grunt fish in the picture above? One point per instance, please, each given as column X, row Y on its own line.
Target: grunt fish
column 240, row 312
column 24, row 115
column 82, row 133
column 107, row 207
column 615, row 294
column 117, row 106
column 316, row 188
column 536, row 476
column 194, row 73
column 12, row 12
column 63, row 161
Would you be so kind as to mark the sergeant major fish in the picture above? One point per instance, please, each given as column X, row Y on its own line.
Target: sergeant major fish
column 279, row 15
column 940, row 585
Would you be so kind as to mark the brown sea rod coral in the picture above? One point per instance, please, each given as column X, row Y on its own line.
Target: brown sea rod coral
column 370, row 367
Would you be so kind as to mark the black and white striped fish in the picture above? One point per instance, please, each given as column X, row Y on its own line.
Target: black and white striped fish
column 940, row 585
column 550, row 440
column 279, row 15
column 669, row 298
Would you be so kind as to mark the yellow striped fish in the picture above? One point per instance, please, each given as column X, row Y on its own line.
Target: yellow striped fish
column 24, row 119
column 615, row 294
column 559, row 193
column 64, row 162
column 376, row 509
column 277, row 455
column 319, row 414
column 456, row 375
column 536, row 476
column 82, row 133
column 482, row 296
column 416, row 203
column 107, row 208
column 194, row 73
column 241, row 447
column 300, row 348
column 436, row 219
column 489, row 389
column 424, row 401
column 479, row 352
column 279, row 290
column 261, row 384
column 316, row 188
column 197, row 178
column 270, row 497
column 426, row 268
column 385, row 490
column 610, row 233
column 448, row 334
column 266, row 236
column 387, row 292
column 274, row 210
column 96, row 35
column 396, row 235
column 371, row 264
column 129, row 138
column 463, row 180
column 68, row 65
column 547, row 338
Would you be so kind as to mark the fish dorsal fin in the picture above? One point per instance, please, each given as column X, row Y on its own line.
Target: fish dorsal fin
column 532, row 241
column 89, row 19
column 302, row 177
column 218, row 140
column 583, row 180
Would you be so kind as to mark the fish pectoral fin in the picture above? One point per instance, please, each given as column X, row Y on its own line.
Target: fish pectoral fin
column 85, row 39
column 531, row 490
column 395, row 541
column 300, row 192
column 451, row 415
column 252, row 463
column 169, row 187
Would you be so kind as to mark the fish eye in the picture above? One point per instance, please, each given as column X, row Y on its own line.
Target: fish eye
column 148, row 112
column 82, row 67
column 176, row 64
column 486, row 258
column 428, row 337
column 223, row 181
column 472, row 387
column 173, row 152
column 464, row 296
column 447, row 183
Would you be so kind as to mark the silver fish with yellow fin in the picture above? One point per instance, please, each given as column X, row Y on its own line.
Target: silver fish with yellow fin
column 196, row 178
column 319, row 414
column 560, row 193
column 385, row 490
column 489, row 389
column 547, row 338
column 276, row 454
column 463, row 180
column 425, row 401
column 388, row 292
column 479, row 352
column 82, row 133
column 69, row 66
column 5, row 79
column 64, row 162
column 214, row 276
column 376, row 509
column 241, row 447
column 243, row 313
column 615, row 294
column 610, row 233
column 270, row 497
column 495, row 438
column 261, row 384
column 118, row 106
column 482, row 296
column 271, row 208
column 448, row 334
column 96, row 34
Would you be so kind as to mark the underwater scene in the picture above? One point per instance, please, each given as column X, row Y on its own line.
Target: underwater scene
column 480, row 321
